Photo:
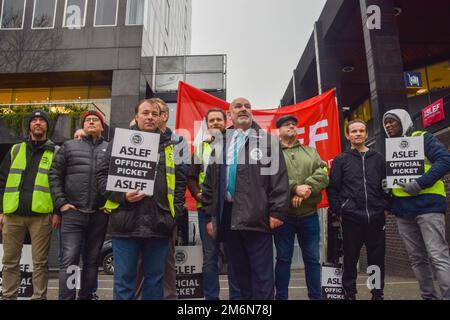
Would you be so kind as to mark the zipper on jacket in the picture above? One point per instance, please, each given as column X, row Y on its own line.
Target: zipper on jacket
column 365, row 187
column 90, row 179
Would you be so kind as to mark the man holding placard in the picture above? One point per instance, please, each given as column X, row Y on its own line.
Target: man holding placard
column 420, row 201
column 140, row 165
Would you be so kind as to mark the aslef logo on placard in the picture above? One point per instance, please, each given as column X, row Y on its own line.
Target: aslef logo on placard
column 338, row 272
column 136, row 139
column 404, row 144
column 181, row 256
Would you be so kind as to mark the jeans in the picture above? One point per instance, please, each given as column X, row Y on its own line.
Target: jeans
column 126, row 253
column 82, row 234
column 210, row 269
column 354, row 236
column 424, row 239
column 307, row 230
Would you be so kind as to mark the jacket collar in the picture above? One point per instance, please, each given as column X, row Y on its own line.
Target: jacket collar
column 295, row 145
column 88, row 138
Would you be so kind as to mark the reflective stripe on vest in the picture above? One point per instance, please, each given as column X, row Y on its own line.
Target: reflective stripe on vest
column 203, row 151
column 170, row 180
column 41, row 199
column 437, row 188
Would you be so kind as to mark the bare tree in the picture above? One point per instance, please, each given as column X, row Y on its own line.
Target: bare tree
column 29, row 50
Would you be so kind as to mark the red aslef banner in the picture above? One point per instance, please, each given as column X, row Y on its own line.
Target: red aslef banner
column 433, row 113
column 318, row 121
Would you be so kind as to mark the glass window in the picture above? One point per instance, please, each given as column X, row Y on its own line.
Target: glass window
column 135, row 12
column 100, row 92
column 206, row 81
column 5, row 95
column 205, row 64
column 12, row 14
column 439, row 75
column 44, row 14
column 105, row 12
column 69, row 93
column 32, row 95
column 167, row 82
column 75, row 13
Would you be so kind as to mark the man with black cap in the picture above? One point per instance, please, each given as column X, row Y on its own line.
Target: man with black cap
column 307, row 178
column 26, row 205
column 78, row 200
column 420, row 207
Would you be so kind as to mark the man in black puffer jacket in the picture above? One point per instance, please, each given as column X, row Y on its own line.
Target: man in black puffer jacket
column 141, row 223
column 356, row 195
column 76, row 196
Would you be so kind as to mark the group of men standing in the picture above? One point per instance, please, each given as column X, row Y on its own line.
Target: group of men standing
column 252, row 190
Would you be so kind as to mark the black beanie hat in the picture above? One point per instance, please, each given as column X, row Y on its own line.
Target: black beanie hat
column 38, row 113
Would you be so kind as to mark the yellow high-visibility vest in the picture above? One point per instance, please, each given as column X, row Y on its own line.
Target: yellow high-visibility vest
column 170, row 180
column 203, row 151
column 42, row 199
column 437, row 188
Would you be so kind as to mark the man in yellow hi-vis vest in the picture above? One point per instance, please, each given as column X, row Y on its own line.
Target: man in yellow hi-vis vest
column 26, row 205
column 216, row 120
column 142, row 224
column 420, row 208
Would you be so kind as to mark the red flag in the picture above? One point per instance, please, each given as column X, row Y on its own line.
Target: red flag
column 192, row 105
column 318, row 121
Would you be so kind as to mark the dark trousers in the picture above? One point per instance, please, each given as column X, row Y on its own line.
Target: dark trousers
column 82, row 234
column 354, row 236
column 251, row 256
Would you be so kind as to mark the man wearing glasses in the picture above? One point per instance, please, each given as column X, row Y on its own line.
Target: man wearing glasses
column 76, row 196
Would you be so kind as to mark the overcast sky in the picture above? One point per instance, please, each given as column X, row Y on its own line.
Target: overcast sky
column 263, row 41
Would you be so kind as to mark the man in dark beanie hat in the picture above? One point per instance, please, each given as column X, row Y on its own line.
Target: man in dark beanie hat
column 38, row 113
column 26, row 205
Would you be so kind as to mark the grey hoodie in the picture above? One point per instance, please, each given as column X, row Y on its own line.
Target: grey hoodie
column 405, row 120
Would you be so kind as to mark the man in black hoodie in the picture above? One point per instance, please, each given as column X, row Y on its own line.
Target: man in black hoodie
column 356, row 195
column 76, row 196
column 26, row 205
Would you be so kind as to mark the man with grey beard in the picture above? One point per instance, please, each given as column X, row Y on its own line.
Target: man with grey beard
column 243, row 205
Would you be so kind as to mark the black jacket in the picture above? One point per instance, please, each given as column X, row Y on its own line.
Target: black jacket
column 258, row 196
column 72, row 177
column 355, row 190
column 151, row 216
column 34, row 152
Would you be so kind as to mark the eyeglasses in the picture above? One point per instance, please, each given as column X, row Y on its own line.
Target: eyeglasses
column 92, row 120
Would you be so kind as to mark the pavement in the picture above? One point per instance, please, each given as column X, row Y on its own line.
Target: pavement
column 396, row 288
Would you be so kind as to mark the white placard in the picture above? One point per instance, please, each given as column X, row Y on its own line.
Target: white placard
column 26, row 271
column 189, row 262
column 405, row 160
column 133, row 162
column 332, row 283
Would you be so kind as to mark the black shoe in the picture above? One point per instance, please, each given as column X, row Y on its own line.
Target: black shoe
column 94, row 296
column 377, row 297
